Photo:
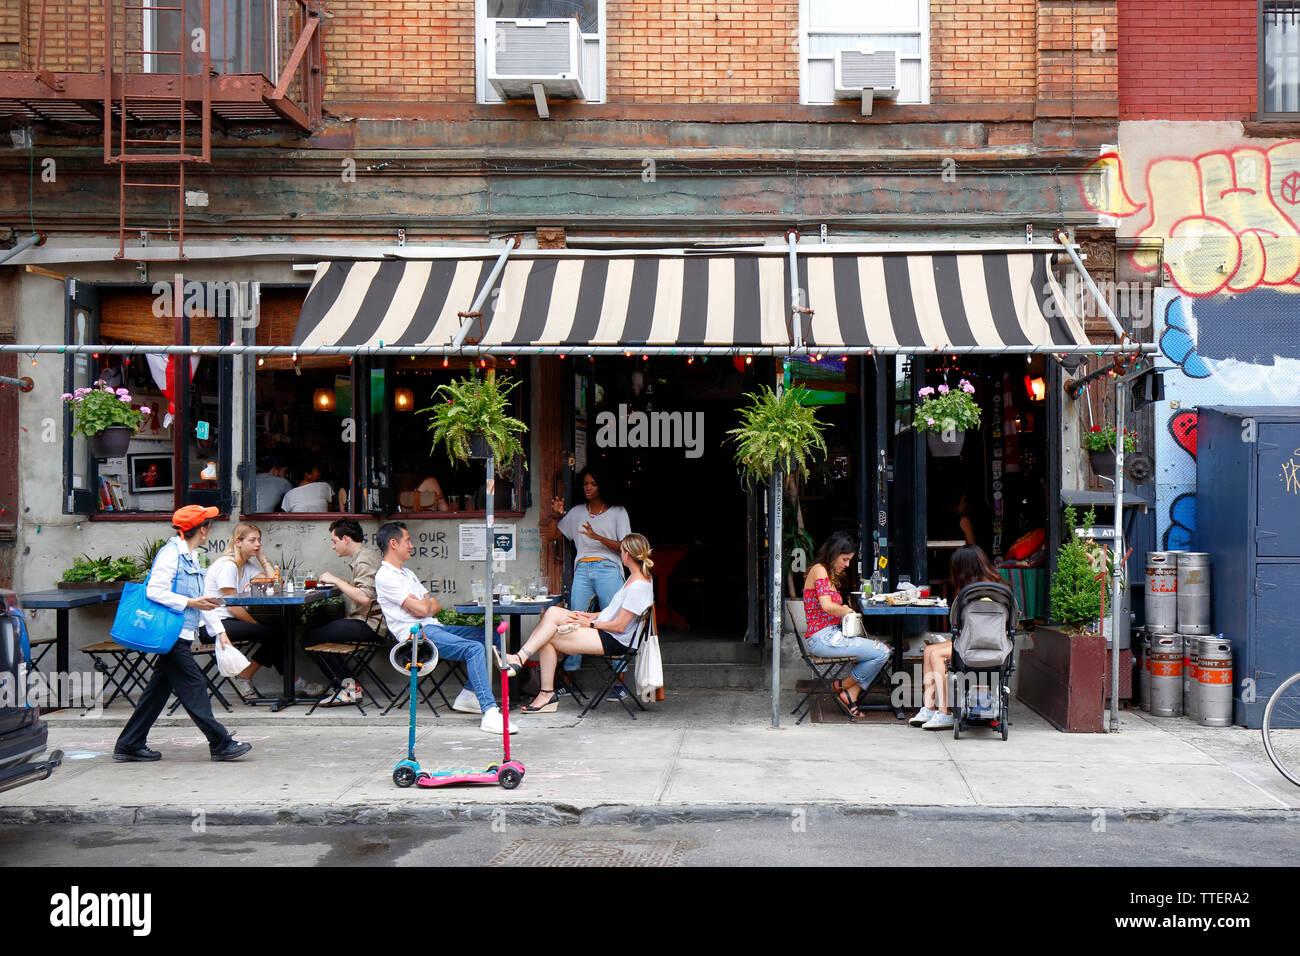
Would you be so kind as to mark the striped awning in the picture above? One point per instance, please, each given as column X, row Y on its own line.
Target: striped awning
column 909, row 301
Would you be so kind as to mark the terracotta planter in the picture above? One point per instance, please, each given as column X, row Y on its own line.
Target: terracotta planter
column 112, row 442
column 1103, row 462
column 945, row 449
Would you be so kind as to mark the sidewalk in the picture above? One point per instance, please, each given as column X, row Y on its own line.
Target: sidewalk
column 698, row 755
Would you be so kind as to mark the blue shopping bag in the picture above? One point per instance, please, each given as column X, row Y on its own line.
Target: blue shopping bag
column 144, row 625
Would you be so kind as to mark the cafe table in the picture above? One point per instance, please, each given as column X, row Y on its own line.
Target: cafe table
column 515, row 609
column 63, row 601
column 290, row 605
column 893, row 616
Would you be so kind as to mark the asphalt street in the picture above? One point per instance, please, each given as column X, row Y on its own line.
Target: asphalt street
column 813, row 836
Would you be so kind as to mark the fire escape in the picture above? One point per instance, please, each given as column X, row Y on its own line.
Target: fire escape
column 157, row 76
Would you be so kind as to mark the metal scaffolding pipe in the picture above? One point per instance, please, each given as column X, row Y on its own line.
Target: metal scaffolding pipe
column 512, row 243
column 35, row 239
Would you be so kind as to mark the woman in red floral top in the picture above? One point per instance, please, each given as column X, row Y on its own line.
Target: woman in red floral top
column 824, row 607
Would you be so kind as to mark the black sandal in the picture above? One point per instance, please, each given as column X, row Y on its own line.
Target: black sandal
column 550, row 707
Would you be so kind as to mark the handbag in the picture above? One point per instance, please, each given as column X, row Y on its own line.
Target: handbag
column 851, row 625
column 144, row 625
column 649, row 673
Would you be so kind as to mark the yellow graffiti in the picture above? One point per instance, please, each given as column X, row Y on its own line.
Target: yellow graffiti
column 1230, row 219
column 1291, row 475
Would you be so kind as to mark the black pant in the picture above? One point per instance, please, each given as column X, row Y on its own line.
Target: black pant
column 174, row 672
column 343, row 631
column 270, row 650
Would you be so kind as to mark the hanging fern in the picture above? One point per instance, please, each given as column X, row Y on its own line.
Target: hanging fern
column 777, row 430
column 476, row 406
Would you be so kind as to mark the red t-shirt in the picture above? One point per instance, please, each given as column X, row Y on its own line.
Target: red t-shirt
column 812, row 608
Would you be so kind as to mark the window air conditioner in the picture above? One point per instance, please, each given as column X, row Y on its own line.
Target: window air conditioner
column 535, row 57
column 867, row 73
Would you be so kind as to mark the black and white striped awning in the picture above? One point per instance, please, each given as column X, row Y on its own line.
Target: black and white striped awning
column 897, row 301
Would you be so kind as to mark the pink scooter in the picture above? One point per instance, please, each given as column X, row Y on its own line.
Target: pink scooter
column 508, row 774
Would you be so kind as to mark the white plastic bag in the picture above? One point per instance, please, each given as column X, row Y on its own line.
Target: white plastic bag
column 230, row 661
column 649, row 676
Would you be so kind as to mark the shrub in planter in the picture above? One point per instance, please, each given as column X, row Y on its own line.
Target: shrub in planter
column 1075, row 587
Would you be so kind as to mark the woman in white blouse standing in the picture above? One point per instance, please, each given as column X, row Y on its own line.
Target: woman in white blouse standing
column 595, row 527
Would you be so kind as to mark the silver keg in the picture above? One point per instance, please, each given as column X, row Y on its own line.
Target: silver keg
column 1162, row 592
column 1166, row 665
column 1190, row 697
column 1193, row 595
column 1214, row 681
column 1144, row 671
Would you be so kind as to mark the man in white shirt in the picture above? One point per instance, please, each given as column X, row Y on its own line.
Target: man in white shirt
column 271, row 486
column 406, row 603
column 310, row 494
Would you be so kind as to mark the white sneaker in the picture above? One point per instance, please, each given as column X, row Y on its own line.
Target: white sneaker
column 493, row 724
column 939, row 722
column 467, row 702
column 922, row 716
column 245, row 687
column 306, row 688
column 342, row 696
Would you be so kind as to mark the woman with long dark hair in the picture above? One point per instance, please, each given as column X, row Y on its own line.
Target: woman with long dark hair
column 824, row 609
column 969, row 565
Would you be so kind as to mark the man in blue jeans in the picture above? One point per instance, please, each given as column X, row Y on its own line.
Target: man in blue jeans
column 407, row 603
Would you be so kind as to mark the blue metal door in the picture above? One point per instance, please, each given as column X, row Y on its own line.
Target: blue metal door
column 1276, row 650
column 1277, row 532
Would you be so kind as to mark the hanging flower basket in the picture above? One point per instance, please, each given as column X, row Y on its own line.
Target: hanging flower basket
column 940, row 448
column 1100, row 443
column 1103, row 462
column 112, row 442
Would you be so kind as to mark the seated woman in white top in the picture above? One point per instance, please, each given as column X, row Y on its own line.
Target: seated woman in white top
column 609, row 632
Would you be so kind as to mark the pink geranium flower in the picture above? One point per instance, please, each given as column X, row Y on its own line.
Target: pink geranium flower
column 943, row 389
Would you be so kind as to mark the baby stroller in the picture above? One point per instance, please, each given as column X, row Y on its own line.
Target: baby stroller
column 984, row 618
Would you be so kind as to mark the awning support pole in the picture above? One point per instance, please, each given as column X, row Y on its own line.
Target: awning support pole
column 796, row 312
column 1120, row 335
column 778, row 589
column 475, row 310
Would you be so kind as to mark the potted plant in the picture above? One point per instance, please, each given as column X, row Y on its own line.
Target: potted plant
column 945, row 415
column 105, row 417
column 1100, row 442
column 473, row 418
column 88, row 572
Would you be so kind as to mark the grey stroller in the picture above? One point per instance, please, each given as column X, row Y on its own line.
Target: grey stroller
column 984, row 617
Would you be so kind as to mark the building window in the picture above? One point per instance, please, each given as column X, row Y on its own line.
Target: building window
column 590, row 15
column 243, row 35
column 1280, row 57
column 182, row 453
column 830, row 25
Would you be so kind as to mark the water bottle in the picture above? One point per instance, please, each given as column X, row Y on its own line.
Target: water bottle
column 877, row 583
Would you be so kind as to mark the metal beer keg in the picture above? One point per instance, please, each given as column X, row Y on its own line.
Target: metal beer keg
column 1193, row 597
column 1214, row 682
column 1162, row 592
column 1167, row 675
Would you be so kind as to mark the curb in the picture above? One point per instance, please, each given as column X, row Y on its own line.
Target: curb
column 559, row 814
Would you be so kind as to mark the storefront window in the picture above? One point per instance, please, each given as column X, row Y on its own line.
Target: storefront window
column 188, row 397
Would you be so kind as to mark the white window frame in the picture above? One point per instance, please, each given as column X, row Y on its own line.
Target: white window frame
column 147, row 36
column 483, row 92
column 923, row 57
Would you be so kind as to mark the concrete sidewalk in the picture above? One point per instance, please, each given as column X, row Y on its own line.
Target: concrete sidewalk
column 698, row 755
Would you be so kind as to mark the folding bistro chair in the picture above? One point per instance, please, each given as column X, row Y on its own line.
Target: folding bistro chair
column 453, row 669
column 825, row 670
column 123, row 669
column 44, row 644
column 618, row 665
column 356, row 657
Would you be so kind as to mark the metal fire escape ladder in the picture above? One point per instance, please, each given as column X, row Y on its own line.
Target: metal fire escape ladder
column 163, row 95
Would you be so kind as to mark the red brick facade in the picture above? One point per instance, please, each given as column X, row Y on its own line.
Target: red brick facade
column 1166, row 44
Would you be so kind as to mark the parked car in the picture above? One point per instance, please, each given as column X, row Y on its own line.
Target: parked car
column 23, row 735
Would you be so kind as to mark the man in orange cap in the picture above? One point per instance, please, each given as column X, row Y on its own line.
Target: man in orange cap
column 176, row 581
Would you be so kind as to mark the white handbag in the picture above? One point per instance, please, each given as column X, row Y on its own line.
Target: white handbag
column 851, row 625
column 649, row 673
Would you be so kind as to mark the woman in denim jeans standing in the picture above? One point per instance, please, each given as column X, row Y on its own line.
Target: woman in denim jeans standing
column 595, row 527
column 824, row 608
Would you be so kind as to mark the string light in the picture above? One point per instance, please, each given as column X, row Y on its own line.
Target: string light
column 445, row 363
column 261, row 360
column 749, row 360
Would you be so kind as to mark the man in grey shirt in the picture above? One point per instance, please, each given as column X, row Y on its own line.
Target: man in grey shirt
column 270, row 486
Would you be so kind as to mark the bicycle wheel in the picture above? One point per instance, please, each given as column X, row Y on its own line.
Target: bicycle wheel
column 1282, row 742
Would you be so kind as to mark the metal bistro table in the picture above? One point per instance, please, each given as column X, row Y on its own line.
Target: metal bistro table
column 61, row 601
column 895, row 615
column 515, row 610
column 289, row 603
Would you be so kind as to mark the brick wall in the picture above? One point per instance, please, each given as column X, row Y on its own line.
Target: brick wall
column 1164, row 45
column 74, row 33
column 1077, row 50
column 694, row 51
column 400, row 49
column 982, row 51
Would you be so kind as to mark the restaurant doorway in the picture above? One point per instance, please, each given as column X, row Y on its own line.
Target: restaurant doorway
column 655, row 427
